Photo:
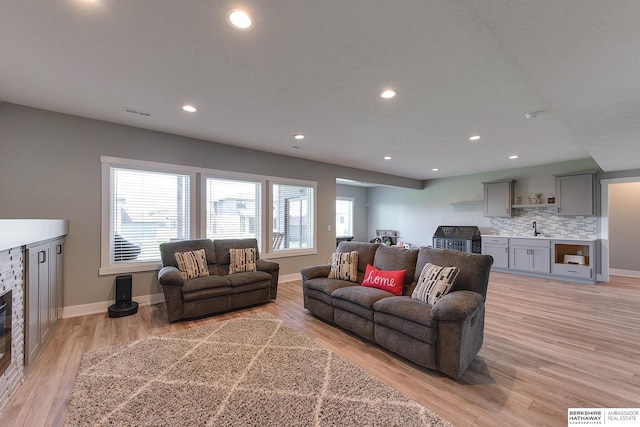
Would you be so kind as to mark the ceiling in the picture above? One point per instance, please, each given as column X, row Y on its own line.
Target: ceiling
column 460, row 67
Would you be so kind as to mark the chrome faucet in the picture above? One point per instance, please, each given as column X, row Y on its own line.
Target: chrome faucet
column 535, row 229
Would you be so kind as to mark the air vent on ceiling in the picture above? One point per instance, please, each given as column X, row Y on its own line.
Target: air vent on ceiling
column 136, row 111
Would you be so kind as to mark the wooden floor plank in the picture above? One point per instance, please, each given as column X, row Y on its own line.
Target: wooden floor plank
column 548, row 346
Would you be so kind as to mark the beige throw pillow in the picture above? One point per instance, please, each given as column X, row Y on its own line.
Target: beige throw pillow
column 192, row 264
column 242, row 260
column 434, row 283
column 344, row 266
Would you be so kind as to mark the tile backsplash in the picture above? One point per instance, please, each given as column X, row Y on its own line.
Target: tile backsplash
column 549, row 223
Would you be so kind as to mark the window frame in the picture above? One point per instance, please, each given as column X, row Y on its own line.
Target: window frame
column 348, row 199
column 281, row 253
column 106, row 266
column 197, row 209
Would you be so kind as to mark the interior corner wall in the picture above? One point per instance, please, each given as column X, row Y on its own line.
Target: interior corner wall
column 50, row 168
column 416, row 214
column 624, row 234
column 360, row 197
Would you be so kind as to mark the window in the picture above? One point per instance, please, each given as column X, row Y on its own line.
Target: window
column 293, row 216
column 344, row 217
column 145, row 204
column 233, row 209
column 145, row 208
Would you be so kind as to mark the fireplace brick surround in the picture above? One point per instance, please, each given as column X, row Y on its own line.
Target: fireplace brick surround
column 11, row 279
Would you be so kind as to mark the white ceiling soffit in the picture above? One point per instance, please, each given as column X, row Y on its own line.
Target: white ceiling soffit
column 461, row 67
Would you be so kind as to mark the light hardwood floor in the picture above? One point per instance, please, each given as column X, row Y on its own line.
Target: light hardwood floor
column 548, row 346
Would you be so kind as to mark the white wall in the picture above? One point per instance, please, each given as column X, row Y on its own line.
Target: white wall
column 624, row 226
column 50, row 168
column 417, row 213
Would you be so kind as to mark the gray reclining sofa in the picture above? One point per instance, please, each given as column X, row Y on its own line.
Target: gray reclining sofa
column 446, row 336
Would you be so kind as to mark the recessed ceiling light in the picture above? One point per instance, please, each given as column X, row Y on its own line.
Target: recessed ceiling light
column 189, row 108
column 240, row 19
column 513, row 157
column 474, row 137
column 298, row 136
column 388, row 93
column 387, row 157
column 435, row 169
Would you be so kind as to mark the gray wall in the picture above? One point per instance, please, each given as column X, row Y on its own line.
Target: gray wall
column 416, row 214
column 360, row 197
column 624, row 229
column 50, row 168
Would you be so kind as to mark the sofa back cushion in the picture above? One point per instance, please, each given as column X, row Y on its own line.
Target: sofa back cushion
column 168, row 251
column 397, row 258
column 474, row 268
column 366, row 252
column 223, row 251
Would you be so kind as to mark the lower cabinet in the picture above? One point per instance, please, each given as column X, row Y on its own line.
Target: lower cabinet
column 43, row 297
column 572, row 260
column 530, row 255
column 498, row 248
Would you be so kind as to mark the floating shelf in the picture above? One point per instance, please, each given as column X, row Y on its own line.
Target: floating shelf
column 534, row 205
column 468, row 202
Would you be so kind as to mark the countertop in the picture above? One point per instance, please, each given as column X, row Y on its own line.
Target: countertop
column 20, row 232
column 538, row 237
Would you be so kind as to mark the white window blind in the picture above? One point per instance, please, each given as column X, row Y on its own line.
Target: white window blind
column 146, row 208
column 233, row 209
column 293, row 216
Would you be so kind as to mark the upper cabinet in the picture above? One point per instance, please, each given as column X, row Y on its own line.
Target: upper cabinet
column 498, row 198
column 575, row 194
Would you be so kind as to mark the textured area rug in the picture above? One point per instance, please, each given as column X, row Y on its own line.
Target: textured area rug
column 247, row 371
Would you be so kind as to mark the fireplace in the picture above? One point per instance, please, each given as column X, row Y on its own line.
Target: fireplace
column 5, row 331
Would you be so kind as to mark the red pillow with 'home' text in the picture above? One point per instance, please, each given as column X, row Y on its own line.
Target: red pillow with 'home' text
column 387, row 280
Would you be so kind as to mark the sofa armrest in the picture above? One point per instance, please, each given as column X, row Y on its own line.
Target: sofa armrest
column 273, row 268
column 268, row 266
column 457, row 306
column 170, row 276
column 315, row 271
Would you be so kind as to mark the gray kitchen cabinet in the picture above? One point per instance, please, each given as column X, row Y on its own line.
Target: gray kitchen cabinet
column 43, row 288
column 530, row 255
column 498, row 198
column 575, row 194
column 573, row 259
column 498, row 248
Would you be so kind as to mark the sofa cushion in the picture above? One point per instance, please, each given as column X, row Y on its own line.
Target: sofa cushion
column 321, row 288
column 358, row 299
column 406, row 308
column 474, row 268
column 397, row 258
column 387, row 280
column 248, row 277
column 192, row 264
column 242, row 260
column 434, row 282
column 344, row 266
column 201, row 283
column 366, row 252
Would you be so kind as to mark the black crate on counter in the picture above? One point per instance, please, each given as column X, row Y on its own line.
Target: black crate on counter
column 465, row 238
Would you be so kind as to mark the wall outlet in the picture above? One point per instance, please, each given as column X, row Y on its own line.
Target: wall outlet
column 328, row 227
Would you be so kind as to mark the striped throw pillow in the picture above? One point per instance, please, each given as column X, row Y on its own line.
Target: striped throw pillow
column 344, row 266
column 242, row 260
column 434, row 283
column 192, row 264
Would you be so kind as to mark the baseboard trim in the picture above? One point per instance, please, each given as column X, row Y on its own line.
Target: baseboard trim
column 626, row 273
column 102, row 307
